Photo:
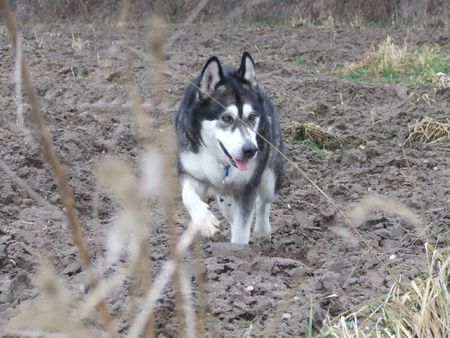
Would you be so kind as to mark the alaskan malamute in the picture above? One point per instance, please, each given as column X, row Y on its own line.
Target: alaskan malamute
column 223, row 125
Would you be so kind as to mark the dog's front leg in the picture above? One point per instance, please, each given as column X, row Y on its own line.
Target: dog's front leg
column 193, row 192
column 262, row 225
column 243, row 209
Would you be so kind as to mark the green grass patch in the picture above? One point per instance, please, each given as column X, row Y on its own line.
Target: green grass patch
column 357, row 74
column 300, row 61
column 313, row 146
column 265, row 22
column 243, row 320
column 390, row 62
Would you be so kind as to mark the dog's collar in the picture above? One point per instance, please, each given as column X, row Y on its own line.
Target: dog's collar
column 226, row 172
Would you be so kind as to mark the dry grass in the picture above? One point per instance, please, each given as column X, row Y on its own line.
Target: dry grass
column 373, row 203
column 415, row 309
column 55, row 312
column 420, row 310
column 427, row 64
column 57, row 168
column 429, row 131
column 444, row 80
column 78, row 43
column 321, row 137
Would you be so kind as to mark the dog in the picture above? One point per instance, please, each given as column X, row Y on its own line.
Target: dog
column 223, row 127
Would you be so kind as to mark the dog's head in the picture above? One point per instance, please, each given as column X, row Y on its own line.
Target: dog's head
column 231, row 111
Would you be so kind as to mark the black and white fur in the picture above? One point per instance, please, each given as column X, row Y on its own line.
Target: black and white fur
column 220, row 150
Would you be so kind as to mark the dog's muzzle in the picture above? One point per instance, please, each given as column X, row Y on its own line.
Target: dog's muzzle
column 249, row 150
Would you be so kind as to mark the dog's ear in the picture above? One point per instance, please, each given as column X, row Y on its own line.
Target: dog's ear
column 246, row 70
column 212, row 74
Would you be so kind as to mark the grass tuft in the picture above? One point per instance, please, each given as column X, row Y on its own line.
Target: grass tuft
column 316, row 137
column 390, row 62
column 78, row 44
column 300, row 61
column 429, row 131
column 419, row 309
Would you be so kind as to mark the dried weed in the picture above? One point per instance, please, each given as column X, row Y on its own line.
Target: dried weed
column 53, row 312
column 429, row 130
column 323, row 138
column 419, row 309
column 427, row 64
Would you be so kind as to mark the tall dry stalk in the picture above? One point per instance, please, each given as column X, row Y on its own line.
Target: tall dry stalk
column 420, row 309
column 55, row 164
column 163, row 144
column 166, row 143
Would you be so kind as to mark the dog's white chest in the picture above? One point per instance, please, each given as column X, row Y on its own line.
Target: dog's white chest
column 205, row 167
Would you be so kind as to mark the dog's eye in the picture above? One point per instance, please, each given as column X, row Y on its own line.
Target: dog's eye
column 227, row 119
column 252, row 117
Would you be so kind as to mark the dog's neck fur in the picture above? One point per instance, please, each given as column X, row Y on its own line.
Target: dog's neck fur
column 204, row 167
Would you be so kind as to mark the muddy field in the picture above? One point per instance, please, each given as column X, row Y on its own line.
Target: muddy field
column 314, row 259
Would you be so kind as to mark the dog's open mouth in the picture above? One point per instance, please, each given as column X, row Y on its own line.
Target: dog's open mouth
column 240, row 164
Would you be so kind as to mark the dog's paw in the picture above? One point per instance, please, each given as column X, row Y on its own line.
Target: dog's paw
column 262, row 236
column 262, row 231
column 207, row 224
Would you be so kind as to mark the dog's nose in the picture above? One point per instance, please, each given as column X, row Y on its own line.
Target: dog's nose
column 249, row 150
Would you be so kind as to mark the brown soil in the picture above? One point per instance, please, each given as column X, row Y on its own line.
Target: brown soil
column 87, row 110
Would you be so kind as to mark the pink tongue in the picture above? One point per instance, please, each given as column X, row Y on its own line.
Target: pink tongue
column 242, row 165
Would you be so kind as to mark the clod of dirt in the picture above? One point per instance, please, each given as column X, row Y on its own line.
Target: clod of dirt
column 72, row 268
column 286, row 316
column 321, row 109
column 116, row 76
column 18, row 288
column 303, row 219
column 327, row 217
